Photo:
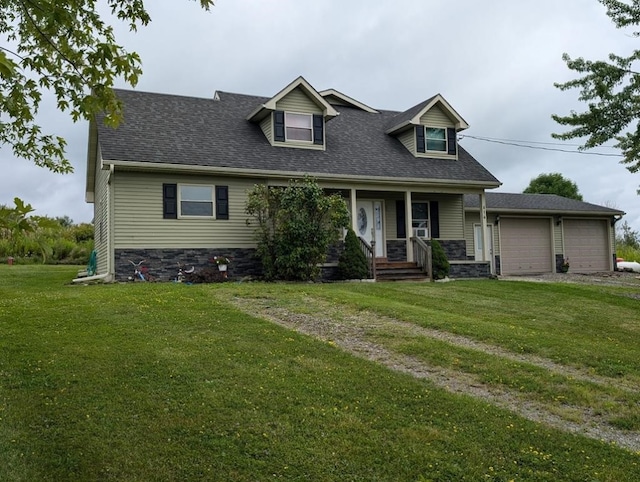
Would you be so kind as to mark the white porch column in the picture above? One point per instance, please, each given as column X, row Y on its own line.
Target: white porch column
column 483, row 230
column 408, row 224
column 354, row 214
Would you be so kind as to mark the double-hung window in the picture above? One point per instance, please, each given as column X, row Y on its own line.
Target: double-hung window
column 196, row 201
column 420, row 219
column 436, row 139
column 299, row 127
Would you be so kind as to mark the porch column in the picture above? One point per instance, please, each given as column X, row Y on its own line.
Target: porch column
column 354, row 213
column 409, row 224
column 483, row 230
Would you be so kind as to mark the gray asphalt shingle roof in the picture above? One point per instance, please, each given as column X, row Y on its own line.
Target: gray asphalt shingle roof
column 178, row 130
column 497, row 201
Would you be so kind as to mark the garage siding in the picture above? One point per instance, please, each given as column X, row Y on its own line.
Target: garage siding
column 526, row 246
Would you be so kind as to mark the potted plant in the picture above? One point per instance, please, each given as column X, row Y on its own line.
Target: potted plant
column 564, row 267
column 221, row 261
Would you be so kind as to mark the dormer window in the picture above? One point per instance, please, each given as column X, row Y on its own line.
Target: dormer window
column 436, row 139
column 298, row 127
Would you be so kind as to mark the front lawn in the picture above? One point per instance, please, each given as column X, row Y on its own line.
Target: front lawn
column 167, row 381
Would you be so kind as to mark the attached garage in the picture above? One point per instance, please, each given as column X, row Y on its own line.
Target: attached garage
column 537, row 231
column 526, row 246
column 586, row 244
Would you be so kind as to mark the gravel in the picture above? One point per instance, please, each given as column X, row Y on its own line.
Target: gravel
column 349, row 332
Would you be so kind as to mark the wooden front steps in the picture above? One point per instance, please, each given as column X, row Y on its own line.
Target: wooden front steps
column 399, row 271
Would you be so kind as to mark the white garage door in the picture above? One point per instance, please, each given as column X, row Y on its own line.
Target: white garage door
column 586, row 245
column 525, row 246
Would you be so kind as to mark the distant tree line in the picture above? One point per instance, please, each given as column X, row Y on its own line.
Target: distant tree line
column 42, row 239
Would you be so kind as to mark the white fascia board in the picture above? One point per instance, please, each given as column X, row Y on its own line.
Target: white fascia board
column 240, row 172
column 461, row 124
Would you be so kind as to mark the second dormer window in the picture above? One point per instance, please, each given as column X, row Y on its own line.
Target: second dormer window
column 298, row 127
column 436, row 139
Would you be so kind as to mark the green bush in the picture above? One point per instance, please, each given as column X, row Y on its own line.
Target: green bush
column 440, row 261
column 352, row 263
column 294, row 227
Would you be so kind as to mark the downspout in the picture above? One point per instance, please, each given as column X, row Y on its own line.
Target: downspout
column 111, row 252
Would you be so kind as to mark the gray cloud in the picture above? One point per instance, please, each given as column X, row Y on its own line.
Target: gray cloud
column 495, row 62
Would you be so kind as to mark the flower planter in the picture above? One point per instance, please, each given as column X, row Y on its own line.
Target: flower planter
column 222, row 267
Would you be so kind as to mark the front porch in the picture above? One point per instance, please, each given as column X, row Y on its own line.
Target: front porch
column 395, row 225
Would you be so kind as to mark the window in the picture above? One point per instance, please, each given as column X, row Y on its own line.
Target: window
column 196, row 200
column 299, row 127
column 436, row 138
column 420, row 219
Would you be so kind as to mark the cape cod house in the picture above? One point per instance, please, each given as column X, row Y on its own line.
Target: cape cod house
column 169, row 184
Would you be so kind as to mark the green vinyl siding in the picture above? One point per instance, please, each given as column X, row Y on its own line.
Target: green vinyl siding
column 101, row 219
column 451, row 211
column 558, row 244
column 298, row 101
column 138, row 220
column 435, row 117
column 473, row 218
column 408, row 139
column 267, row 128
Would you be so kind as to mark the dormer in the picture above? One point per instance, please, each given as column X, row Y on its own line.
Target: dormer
column 429, row 129
column 295, row 117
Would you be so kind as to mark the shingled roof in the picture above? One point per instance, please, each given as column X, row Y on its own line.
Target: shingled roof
column 188, row 131
column 538, row 203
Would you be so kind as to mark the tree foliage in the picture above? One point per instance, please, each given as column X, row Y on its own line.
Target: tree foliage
column 69, row 49
column 628, row 237
column 28, row 238
column 353, row 262
column 294, row 227
column 611, row 89
column 553, row 183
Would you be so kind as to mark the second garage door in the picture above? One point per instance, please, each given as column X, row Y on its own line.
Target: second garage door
column 586, row 245
column 526, row 246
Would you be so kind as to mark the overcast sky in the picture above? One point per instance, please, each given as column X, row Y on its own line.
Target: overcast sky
column 494, row 61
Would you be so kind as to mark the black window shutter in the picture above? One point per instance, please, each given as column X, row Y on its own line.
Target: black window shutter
column 451, row 141
column 222, row 202
column 434, row 216
column 170, row 201
column 318, row 129
column 278, row 125
column 420, row 145
column 401, row 220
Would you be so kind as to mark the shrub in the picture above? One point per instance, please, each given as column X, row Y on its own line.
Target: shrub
column 439, row 260
column 295, row 226
column 352, row 263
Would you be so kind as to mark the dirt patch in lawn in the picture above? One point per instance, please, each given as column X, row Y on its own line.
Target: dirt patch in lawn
column 351, row 331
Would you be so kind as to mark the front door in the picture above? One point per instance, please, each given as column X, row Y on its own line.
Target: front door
column 369, row 223
column 477, row 237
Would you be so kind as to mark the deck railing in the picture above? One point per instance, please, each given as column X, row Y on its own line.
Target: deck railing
column 369, row 252
column 422, row 256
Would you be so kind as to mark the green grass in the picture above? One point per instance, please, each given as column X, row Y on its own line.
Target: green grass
column 171, row 382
